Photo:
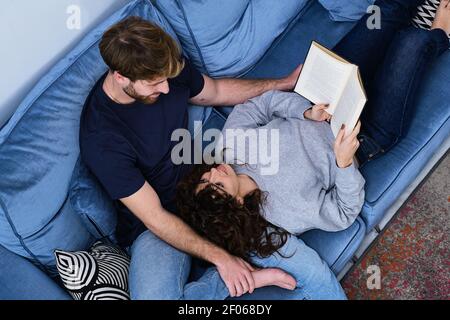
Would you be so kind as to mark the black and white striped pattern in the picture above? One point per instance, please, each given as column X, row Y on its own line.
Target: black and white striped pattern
column 100, row 274
column 425, row 14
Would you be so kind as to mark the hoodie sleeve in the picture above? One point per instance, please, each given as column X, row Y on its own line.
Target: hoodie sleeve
column 343, row 203
column 261, row 110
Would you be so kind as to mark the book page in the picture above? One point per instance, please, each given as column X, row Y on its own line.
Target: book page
column 323, row 77
column 350, row 105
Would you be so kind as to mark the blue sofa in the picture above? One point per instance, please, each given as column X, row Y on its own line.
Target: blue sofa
column 49, row 201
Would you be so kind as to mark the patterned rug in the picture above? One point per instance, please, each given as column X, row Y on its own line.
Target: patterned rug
column 413, row 254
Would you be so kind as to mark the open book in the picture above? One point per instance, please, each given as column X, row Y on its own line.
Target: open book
column 327, row 78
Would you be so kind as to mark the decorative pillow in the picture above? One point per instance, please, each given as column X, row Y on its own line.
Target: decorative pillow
column 227, row 38
column 348, row 10
column 425, row 14
column 100, row 274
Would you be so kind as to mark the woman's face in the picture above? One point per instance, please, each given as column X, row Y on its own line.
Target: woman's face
column 223, row 178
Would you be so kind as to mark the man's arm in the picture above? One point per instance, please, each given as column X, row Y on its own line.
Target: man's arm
column 145, row 204
column 230, row 92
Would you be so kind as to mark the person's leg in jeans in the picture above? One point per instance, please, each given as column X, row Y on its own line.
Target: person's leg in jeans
column 367, row 47
column 315, row 280
column 388, row 112
column 158, row 271
column 380, row 54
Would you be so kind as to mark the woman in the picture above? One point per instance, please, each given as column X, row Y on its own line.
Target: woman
column 317, row 186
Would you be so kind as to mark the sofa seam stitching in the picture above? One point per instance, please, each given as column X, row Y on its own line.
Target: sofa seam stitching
column 280, row 37
column 348, row 244
column 408, row 162
column 191, row 33
column 18, row 236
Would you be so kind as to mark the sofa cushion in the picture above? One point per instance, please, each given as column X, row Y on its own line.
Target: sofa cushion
column 336, row 248
column 92, row 203
column 226, row 38
column 39, row 149
column 349, row 10
column 388, row 176
column 21, row 280
column 291, row 48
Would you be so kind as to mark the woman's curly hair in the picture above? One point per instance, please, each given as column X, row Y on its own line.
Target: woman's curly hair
column 238, row 228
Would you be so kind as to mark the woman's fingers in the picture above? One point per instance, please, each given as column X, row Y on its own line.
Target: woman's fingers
column 321, row 106
column 357, row 129
column 352, row 136
column 340, row 135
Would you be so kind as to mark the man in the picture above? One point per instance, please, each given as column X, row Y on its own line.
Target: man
column 125, row 132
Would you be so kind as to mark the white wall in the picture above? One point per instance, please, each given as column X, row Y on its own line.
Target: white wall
column 34, row 35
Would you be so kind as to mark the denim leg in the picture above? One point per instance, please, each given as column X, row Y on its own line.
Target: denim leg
column 315, row 280
column 158, row 271
column 391, row 98
column 367, row 47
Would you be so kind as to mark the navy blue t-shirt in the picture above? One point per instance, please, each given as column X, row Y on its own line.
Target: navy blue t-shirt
column 126, row 145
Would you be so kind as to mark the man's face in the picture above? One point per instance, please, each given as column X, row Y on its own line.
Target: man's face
column 146, row 91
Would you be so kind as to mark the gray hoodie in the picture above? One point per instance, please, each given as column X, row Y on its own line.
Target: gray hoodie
column 305, row 188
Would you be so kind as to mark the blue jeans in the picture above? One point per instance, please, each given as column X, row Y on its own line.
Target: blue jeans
column 158, row 271
column 392, row 62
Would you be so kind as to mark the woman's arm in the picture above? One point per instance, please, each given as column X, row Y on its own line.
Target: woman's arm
column 261, row 110
column 343, row 203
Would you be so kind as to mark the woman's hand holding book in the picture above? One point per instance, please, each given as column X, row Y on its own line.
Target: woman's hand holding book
column 345, row 146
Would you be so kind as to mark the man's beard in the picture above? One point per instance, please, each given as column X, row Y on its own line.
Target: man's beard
column 129, row 90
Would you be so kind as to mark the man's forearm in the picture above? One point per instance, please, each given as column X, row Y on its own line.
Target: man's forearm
column 236, row 91
column 177, row 233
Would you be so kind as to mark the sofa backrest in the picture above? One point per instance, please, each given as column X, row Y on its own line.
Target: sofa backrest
column 227, row 38
column 39, row 150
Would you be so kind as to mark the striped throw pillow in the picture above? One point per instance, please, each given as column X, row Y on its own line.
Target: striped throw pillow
column 425, row 14
column 98, row 274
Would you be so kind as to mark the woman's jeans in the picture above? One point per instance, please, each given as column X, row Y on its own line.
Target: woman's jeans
column 392, row 61
column 159, row 271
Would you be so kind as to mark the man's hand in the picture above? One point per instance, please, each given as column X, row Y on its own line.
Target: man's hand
column 345, row 147
column 236, row 273
column 288, row 83
column 318, row 113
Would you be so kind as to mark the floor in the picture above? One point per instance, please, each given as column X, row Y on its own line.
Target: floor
column 411, row 259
